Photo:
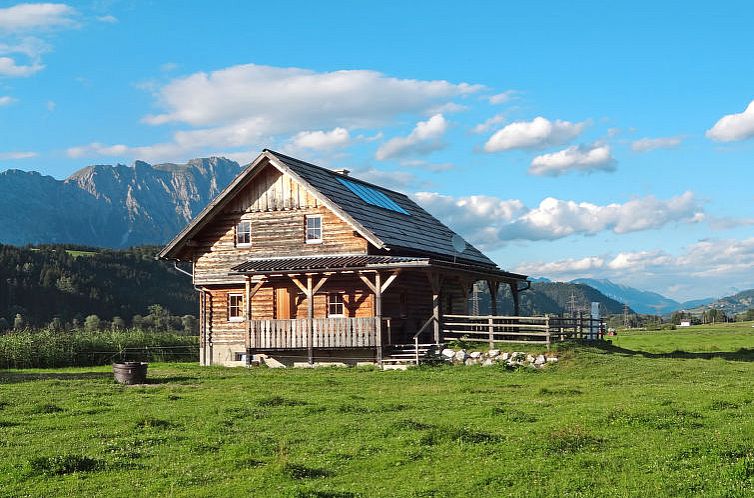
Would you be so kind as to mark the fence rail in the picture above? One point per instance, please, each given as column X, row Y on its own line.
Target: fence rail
column 324, row 332
column 520, row 329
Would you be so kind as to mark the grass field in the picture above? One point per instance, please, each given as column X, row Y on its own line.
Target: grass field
column 653, row 414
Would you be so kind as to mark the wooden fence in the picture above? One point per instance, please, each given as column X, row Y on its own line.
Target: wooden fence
column 325, row 333
column 520, row 329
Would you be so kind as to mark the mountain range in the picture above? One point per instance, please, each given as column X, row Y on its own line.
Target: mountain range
column 109, row 206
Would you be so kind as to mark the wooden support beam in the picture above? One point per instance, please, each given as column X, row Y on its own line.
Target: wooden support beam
column 494, row 286
column 368, row 283
column 310, row 315
column 319, row 285
column 435, row 282
column 516, row 300
column 299, row 284
column 378, row 314
column 389, row 280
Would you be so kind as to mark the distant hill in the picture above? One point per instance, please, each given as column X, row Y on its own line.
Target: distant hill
column 731, row 305
column 71, row 282
column 550, row 297
column 109, row 206
column 645, row 302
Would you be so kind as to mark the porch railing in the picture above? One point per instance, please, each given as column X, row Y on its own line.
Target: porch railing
column 521, row 329
column 325, row 333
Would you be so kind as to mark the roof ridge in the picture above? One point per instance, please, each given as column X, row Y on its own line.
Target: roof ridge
column 336, row 174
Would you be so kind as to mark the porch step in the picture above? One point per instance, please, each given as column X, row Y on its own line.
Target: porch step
column 405, row 354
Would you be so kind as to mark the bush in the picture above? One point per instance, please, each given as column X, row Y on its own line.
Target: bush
column 48, row 348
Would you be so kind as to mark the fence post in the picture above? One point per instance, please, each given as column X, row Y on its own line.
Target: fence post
column 547, row 329
column 491, row 327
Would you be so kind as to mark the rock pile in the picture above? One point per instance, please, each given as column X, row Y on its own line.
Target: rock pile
column 496, row 357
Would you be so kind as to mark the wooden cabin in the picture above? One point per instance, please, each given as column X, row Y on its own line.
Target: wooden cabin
column 306, row 264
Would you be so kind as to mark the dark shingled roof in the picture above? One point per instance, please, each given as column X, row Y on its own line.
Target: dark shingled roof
column 418, row 232
column 324, row 263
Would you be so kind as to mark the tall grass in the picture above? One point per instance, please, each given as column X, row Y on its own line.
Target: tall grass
column 48, row 348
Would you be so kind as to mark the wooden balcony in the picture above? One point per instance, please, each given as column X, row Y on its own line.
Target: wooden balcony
column 324, row 333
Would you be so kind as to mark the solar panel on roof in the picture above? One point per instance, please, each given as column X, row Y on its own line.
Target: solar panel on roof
column 372, row 196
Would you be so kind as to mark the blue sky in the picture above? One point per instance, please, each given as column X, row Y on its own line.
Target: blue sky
column 565, row 139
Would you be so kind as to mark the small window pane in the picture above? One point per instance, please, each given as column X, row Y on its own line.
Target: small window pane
column 313, row 228
column 235, row 307
column 243, row 233
column 335, row 305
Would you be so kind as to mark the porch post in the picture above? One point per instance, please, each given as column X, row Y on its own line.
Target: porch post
column 493, row 286
column 378, row 314
column 434, row 281
column 516, row 304
column 310, row 315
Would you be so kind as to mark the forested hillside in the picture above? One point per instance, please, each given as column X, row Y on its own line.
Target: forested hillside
column 69, row 283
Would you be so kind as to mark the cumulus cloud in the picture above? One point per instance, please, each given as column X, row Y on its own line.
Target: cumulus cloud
column 647, row 144
column 321, row 140
column 424, row 138
column 250, row 105
column 289, row 99
column 9, row 67
column 35, row 16
column 492, row 222
column 21, row 52
column 489, row 123
column 6, row 100
column 16, row 155
column 109, row 19
column 705, row 268
column 535, row 134
column 734, row 127
column 575, row 158
column 396, row 180
column 501, row 98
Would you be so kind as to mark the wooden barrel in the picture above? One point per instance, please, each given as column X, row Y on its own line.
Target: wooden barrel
column 130, row 372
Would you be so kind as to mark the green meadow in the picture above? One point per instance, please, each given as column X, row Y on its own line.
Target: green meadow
column 652, row 414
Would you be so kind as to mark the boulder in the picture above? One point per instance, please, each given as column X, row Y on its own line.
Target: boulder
column 471, row 361
column 448, row 353
column 475, row 354
column 488, row 362
column 540, row 360
column 505, row 356
column 529, row 358
column 493, row 353
column 460, row 355
column 552, row 359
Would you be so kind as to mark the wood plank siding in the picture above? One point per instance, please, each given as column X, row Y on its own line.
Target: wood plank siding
column 276, row 206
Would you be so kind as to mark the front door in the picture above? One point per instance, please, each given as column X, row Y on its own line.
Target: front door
column 283, row 303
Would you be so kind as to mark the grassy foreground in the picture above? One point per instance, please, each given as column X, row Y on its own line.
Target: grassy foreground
column 613, row 421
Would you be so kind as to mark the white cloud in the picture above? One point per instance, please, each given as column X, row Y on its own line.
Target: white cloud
column 426, row 165
column 6, row 100
column 734, row 127
column 502, row 98
column 291, row 99
column 704, row 269
column 51, row 105
column 34, row 16
column 9, row 67
column 396, row 180
column 575, row 158
column 17, row 23
column 492, row 222
column 489, row 123
column 647, row 144
column 247, row 106
column 537, row 133
column 423, row 139
column 110, row 19
column 321, row 140
column 17, row 155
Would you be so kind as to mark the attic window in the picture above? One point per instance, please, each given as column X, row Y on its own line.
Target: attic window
column 243, row 234
column 314, row 229
column 372, row 196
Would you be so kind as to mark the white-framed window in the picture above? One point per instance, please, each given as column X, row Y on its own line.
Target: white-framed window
column 235, row 308
column 335, row 306
column 243, row 234
column 314, row 229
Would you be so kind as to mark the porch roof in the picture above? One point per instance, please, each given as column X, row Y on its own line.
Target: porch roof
column 321, row 264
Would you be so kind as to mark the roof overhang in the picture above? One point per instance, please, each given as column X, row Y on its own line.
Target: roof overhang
column 358, row 263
